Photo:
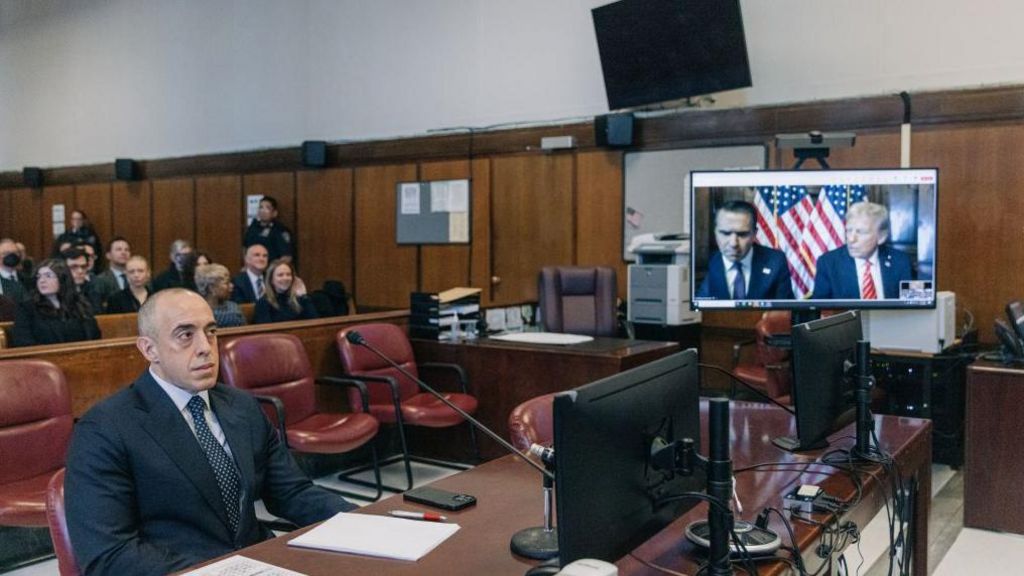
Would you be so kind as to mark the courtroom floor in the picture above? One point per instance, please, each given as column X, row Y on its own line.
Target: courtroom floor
column 952, row 549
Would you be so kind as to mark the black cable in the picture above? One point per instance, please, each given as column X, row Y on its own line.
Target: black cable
column 722, row 507
column 748, row 386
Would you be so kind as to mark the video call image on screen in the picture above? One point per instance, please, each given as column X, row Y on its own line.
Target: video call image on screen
column 813, row 238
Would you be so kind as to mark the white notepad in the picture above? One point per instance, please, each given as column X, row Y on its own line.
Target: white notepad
column 544, row 338
column 381, row 536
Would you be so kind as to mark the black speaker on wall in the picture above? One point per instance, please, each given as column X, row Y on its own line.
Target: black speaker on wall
column 33, row 177
column 314, row 153
column 614, row 129
column 125, row 169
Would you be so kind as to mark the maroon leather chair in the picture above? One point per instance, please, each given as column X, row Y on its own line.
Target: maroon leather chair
column 532, row 422
column 578, row 300
column 275, row 368
column 35, row 428
column 56, row 518
column 394, row 398
column 770, row 371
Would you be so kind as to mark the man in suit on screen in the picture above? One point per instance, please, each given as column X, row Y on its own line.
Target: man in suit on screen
column 742, row 269
column 866, row 267
column 164, row 474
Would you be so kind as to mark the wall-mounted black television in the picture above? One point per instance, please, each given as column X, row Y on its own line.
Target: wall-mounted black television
column 658, row 50
column 813, row 239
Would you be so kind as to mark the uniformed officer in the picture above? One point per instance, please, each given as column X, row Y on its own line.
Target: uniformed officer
column 265, row 229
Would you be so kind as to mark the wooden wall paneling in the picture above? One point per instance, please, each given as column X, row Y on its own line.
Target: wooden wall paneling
column 532, row 221
column 52, row 196
column 442, row 267
column 25, row 206
column 95, row 201
column 131, row 216
column 980, row 249
column 5, row 214
column 599, row 218
column 385, row 272
column 280, row 185
column 174, row 207
column 325, row 227
column 480, row 249
column 218, row 223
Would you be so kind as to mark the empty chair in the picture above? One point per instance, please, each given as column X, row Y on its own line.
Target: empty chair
column 770, row 371
column 578, row 300
column 394, row 398
column 35, row 428
column 532, row 423
column 275, row 368
column 56, row 518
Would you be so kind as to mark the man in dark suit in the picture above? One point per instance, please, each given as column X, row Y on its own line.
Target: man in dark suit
column 12, row 284
column 174, row 276
column 248, row 284
column 164, row 474
column 866, row 267
column 741, row 269
column 266, row 229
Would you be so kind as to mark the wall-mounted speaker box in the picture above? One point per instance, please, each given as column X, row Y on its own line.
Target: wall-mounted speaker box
column 33, row 177
column 314, row 153
column 125, row 169
column 614, row 129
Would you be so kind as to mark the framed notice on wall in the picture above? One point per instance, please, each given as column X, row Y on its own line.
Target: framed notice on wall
column 434, row 212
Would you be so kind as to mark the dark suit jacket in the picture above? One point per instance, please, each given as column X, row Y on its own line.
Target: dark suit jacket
column 769, row 277
column 837, row 273
column 142, row 498
column 123, row 302
column 13, row 290
column 264, row 313
column 242, row 291
column 171, row 278
column 33, row 327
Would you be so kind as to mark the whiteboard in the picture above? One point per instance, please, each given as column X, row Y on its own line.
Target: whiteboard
column 658, row 186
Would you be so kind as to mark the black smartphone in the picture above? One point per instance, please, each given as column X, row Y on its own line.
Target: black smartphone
column 438, row 498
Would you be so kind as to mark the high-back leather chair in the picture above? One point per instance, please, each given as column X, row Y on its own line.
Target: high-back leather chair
column 532, row 422
column 396, row 399
column 770, row 371
column 57, row 519
column 35, row 428
column 578, row 300
column 275, row 368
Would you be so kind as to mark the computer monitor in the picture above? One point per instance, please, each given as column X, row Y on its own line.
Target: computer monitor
column 605, row 484
column 824, row 379
column 804, row 239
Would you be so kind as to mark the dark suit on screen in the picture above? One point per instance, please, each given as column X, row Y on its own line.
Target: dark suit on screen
column 836, row 275
column 142, row 498
column 769, row 277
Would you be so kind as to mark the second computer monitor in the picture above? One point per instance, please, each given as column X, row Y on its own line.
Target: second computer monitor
column 606, row 486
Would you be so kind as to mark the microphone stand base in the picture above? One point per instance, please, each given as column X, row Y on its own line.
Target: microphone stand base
column 756, row 540
column 536, row 543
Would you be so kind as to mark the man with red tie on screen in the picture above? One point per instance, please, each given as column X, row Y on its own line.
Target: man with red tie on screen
column 866, row 267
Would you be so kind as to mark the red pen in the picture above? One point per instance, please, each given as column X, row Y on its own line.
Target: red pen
column 428, row 516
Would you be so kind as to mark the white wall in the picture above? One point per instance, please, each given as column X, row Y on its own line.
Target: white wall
column 85, row 81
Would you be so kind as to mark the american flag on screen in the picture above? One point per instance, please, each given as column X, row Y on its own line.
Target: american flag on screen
column 782, row 213
column 826, row 229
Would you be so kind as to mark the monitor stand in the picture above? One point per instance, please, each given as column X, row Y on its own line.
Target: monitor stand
column 792, row 444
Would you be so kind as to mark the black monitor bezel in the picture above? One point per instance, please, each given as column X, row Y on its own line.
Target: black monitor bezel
column 596, row 422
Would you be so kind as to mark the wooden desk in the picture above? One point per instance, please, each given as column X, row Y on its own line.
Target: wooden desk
column 504, row 374
column 509, row 499
column 993, row 467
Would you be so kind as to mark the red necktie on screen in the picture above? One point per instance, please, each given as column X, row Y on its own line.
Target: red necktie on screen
column 870, row 293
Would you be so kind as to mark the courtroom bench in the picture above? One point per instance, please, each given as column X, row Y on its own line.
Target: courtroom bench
column 95, row 369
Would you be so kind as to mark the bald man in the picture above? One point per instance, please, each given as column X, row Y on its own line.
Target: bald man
column 164, row 474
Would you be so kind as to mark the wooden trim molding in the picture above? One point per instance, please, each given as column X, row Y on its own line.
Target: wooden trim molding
column 687, row 128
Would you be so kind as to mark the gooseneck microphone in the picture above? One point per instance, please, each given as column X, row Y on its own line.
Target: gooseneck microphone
column 356, row 338
column 540, row 542
column 748, row 387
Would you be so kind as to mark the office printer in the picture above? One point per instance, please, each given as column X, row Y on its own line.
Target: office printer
column 659, row 282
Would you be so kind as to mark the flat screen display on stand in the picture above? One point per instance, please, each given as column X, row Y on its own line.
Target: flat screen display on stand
column 813, row 239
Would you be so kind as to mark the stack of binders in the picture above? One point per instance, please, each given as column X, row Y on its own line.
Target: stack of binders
column 438, row 316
